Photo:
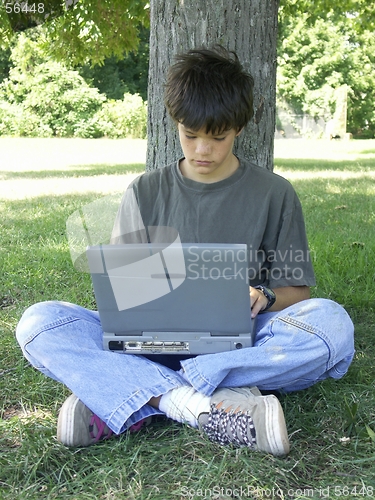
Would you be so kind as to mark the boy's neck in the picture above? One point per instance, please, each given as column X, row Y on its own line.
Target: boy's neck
column 209, row 177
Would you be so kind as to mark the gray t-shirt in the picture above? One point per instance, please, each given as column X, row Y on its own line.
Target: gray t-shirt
column 252, row 206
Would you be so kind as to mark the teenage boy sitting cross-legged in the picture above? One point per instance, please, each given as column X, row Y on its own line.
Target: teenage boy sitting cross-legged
column 209, row 195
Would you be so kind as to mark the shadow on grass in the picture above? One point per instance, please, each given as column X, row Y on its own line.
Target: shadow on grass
column 295, row 164
column 75, row 171
column 357, row 165
column 339, row 224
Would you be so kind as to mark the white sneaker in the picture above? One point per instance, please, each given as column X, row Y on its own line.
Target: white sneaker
column 77, row 425
column 243, row 417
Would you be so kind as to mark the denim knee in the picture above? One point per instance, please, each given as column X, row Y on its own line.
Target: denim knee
column 339, row 327
column 338, row 332
column 41, row 317
column 30, row 319
column 341, row 333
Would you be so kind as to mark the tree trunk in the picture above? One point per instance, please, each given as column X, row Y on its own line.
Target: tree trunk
column 249, row 27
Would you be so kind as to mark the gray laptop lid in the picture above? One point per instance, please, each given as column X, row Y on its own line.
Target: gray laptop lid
column 180, row 290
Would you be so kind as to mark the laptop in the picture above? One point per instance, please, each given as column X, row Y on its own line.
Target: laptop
column 184, row 299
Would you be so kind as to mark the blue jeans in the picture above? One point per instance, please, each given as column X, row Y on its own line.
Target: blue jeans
column 294, row 348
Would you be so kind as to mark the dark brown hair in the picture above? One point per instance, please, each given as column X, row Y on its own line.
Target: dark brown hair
column 209, row 88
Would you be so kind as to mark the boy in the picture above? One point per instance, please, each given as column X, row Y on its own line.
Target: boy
column 209, row 195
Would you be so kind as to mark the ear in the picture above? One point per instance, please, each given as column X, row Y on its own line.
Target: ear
column 239, row 132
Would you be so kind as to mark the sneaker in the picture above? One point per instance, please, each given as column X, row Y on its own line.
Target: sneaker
column 77, row 425
column 243, row 417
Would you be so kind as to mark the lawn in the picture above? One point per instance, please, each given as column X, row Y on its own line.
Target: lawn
column 331, row 425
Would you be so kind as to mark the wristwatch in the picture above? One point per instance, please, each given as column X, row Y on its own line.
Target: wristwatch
column 269, row 294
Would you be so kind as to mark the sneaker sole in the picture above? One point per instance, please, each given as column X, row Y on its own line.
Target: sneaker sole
column 276, row 432
column 65, row 421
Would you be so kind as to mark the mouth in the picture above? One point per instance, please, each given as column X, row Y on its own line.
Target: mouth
column 203, row 163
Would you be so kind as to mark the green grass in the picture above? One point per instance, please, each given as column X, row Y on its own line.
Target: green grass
column 331, row 424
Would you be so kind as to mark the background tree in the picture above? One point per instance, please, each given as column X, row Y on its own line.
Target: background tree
column 116, row 76
column 48, row 99
column 86, row 30
column 5, row 63
column 95, row 36
column 42, row 97
column 247, row 27
column 361, row 12
column 92, row 28
column 314, row 62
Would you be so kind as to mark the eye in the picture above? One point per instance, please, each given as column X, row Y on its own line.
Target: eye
column 220, row 138
column 190, row 136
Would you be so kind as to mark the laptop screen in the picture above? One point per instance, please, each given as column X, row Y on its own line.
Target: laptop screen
column 149, row 287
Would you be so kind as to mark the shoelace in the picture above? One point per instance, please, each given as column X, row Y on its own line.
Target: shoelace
column 101, row 428
column 136, row 427
column 219, row 421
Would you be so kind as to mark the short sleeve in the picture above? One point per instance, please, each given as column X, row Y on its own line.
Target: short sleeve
column 290, row 262
column 128, row 226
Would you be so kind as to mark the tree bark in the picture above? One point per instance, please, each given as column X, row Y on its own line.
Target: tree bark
column 249, row 27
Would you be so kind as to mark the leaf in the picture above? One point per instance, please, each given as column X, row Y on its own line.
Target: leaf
column 371, row 433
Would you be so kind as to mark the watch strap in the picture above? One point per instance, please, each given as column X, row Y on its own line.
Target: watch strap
column 269, row 294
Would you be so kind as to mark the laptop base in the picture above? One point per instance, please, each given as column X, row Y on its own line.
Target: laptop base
column 166, row 343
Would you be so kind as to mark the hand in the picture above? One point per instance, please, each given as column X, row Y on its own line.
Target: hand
column 285, row 297
column 257, row 301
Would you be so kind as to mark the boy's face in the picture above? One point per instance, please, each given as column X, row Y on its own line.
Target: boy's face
column 208, row 158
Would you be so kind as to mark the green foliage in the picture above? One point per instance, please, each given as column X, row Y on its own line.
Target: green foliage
column 23, row 15
column 5, row 64
column 26, row 52
column 320, row 49
column 53, row 98
column 129, row 74
column 16, row 121
column 42, row 97
column 361, row 79
column 126, row 118
column 89, row 30
column 6, row 33
column 361, row 12
column 94, row 29
column 314, row 62
column 309, row 61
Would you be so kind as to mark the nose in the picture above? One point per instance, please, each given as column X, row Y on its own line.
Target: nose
column 203, row 147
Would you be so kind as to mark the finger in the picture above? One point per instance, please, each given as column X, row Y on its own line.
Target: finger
column 256, row 307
